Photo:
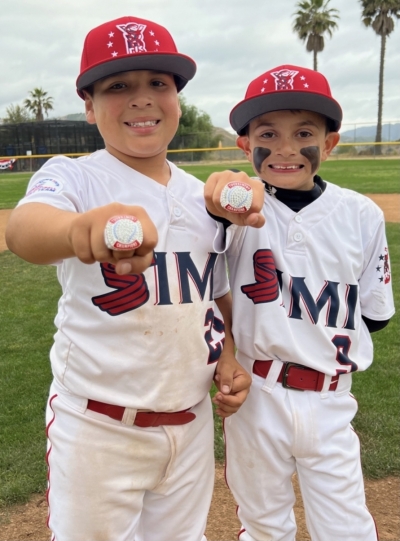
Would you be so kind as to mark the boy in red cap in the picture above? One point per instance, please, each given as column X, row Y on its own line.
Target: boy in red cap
column 139, row 337
column 310, row 281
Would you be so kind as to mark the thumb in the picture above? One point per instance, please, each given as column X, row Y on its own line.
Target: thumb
column 225, row 380
column 255, row 220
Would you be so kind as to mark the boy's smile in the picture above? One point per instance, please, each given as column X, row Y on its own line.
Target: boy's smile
column 287, row 147
column 137, row 113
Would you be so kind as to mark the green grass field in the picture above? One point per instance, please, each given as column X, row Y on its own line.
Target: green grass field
column 29, row 295
column 364, row 176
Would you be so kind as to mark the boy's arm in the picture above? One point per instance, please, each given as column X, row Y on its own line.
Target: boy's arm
column 212, row 194
column 43, row 234
column 232, row 380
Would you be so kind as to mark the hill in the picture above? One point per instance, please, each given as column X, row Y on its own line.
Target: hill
column 363, row 134
column 227, row 139
column 74, row 117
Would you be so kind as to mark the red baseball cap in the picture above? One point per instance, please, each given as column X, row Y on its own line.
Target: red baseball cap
column 286, row 87
column 130, row 43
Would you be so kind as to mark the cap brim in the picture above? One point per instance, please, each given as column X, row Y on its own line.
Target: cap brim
column 247, row 110
column 181, row 66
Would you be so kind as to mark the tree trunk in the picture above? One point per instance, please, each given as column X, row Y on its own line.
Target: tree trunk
column 378, row 137
column 39, row 114
column 315, row 60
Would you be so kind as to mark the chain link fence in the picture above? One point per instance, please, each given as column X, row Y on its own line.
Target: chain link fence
column 29, row 145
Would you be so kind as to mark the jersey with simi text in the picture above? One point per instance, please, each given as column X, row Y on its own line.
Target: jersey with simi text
column 303, row 281
column 147, row 341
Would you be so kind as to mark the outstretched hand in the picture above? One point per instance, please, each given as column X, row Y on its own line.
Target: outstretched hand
column 216, row 182
column 86, row 237
column 233, row 383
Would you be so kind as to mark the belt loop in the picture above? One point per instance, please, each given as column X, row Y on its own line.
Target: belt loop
column 344, row 384
column 129, row 416
column 325, row 387
column 272, row 376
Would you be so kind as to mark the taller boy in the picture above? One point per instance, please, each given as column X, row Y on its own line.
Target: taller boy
column 129, row 417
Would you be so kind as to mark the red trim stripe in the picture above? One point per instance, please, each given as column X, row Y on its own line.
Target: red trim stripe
column 48, row 463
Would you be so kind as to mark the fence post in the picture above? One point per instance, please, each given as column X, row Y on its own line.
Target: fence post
column 29, row 153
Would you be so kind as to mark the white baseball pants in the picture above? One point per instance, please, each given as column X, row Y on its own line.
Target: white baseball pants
column 277, row 433
column 113, row 482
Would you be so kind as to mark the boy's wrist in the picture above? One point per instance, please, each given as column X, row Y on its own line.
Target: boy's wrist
column 226, row 223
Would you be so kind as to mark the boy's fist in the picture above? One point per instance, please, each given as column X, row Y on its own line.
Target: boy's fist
column 87, row 238
column 235, row 197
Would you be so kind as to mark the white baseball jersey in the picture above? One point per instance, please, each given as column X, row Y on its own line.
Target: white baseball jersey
column 139, row 341
column 332, row 267
column 300, row 285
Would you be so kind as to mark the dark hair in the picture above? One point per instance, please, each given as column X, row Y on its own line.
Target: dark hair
column 90, row 89
column 329, row 123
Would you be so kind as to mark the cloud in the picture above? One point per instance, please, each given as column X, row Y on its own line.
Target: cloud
column 231, row 41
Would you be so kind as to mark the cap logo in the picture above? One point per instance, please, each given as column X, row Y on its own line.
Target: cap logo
column 133, row 35
column 284, row 79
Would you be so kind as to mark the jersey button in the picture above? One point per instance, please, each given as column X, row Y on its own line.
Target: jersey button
column 298, row 219
column 298, row 237
column 177, row 211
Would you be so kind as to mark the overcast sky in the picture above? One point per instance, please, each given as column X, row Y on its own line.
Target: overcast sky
column 232, row 42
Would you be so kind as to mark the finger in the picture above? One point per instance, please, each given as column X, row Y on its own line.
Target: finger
column 241, row 382
column 224, row 409
column 134, row 265
column 82, row 245
column 233, row 400
column 210, row 185
column 224, row 378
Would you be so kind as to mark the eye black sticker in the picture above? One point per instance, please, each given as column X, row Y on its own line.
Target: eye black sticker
column 313, row 156
column 259, row 155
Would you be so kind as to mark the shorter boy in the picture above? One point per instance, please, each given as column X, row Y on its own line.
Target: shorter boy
column 310, row 283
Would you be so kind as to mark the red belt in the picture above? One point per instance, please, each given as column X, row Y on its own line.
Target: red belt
column 143, row 419
column 296, row 376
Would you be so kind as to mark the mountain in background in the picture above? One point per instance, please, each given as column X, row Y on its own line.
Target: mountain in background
column 366, row 134
column 359, row 134
column 227, row 139
column 75, row 117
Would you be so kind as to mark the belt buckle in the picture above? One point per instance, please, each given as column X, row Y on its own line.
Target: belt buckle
column 285, row 375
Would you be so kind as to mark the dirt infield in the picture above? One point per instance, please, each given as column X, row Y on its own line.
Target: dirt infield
column 390, row 204
column 28, row 522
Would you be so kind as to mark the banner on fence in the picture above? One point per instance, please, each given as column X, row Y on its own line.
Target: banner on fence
column 7, row 164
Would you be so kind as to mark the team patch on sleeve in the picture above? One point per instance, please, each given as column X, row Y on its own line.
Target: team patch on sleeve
column 383, row 267
column 46, row 185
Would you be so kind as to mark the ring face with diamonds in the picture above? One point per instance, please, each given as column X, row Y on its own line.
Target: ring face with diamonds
column 236, row 197
column 123, row 233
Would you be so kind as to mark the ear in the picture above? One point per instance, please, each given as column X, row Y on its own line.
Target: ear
column 89, row 108
column 243, row 142
column 179, row 108
column 331, row 140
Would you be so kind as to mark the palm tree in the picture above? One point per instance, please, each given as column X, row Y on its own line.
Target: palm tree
column 313, row 19
column 39, row 103
column 379, row 14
